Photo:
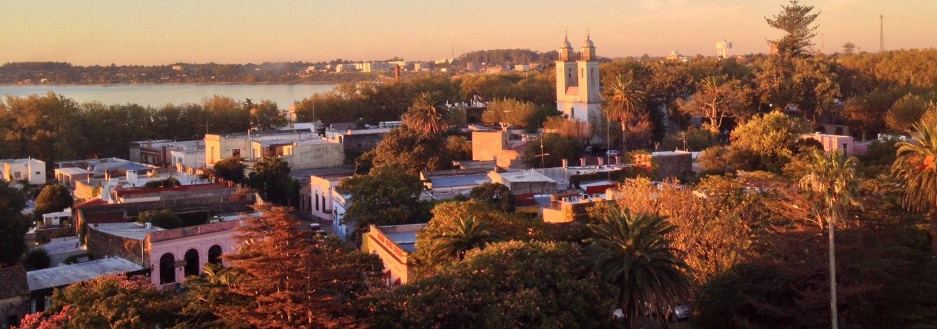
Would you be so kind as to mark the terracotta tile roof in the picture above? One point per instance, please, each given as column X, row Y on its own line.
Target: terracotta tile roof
column 13, row 282
column 91, row 202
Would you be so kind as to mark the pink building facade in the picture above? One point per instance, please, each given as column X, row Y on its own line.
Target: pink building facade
column 178, row 253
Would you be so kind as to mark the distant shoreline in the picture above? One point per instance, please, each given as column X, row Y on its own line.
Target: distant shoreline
column 170, row 84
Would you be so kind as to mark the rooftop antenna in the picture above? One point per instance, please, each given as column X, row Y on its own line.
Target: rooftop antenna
column 881, row 33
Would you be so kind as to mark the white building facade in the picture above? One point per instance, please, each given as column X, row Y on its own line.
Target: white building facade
column 578, row 86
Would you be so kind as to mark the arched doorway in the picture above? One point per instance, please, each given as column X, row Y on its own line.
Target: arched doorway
column 191, row 262
column 214, row 255
column 167, row 268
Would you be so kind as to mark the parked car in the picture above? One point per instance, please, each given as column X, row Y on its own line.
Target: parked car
column 612, row 153
column 314, row 226
column 682, row 312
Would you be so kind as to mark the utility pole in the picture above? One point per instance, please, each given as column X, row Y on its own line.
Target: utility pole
column 881, row 33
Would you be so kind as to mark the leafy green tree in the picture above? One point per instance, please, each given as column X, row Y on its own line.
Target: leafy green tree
column 632, row 253
column 467, row 234
column 718, row 100
column 511, row 112
column 906, row 112
column 506, row 285
column 831, row 182
column 625, row 101
column 52, row 198
column 411, row 150
column 551, row 149
column 458, row 226
column 916, row 168
column 770, row 137
column 271, row 177
column 458, row 148
column 266, row 115
column 115, row 302
column 386, row 196
column 495, row 194
column 208, row 293
column 36, row 259
column 163, row 218
column 231, row 169
column 797, row 21
column 13, row 225
column 426, row 114
column 225, row 114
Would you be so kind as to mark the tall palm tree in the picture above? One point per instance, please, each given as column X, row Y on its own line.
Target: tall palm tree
column 425, row 115
column 468, row 233
column 624, row 100
column 916, row 166
column 831, row 182
column 632, row 253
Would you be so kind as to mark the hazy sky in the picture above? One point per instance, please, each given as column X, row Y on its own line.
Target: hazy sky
column 161, row 32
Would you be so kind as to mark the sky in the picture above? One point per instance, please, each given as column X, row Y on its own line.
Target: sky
column 125, row 32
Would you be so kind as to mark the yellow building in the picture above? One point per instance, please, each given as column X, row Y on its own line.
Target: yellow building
column 392, row 244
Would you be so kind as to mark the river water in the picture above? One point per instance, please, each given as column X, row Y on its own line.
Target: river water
column 161, row 94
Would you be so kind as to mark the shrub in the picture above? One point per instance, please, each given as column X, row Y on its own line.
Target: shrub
column 36, row 259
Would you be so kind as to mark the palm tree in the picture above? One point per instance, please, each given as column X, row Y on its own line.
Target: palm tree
column 916, row 166
column 632, row 253
column 624, row 101
column 467, row 234
column 831, row 182
column 425, row 115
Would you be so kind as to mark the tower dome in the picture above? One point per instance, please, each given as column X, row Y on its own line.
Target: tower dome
column 566, row 51
column 588, row 49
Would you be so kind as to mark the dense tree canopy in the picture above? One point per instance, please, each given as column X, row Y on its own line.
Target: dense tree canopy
column 386, row 196
column 13, row 225
column 506, row 285
column 53, row 198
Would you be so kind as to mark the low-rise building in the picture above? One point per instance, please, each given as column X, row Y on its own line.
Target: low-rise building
column 358, row 139
column 498, row 146
column 447, row 184
column 301, row 154
column 171, row 255
column 30, row 170
column 841, row 143
column 43, row 282
column 316, row 198
column 159, row 152
column 125, row 205
column 222, row 146
column 392, row 244
column 524, row 182
column 69, row 172
column 571, row 206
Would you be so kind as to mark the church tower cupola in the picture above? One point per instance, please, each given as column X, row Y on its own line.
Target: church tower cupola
column 566, row 51
column 588, row 49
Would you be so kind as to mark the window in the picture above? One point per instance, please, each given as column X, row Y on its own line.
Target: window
column 191, row 262
column 214, row 255
column 167, row 269
column 236, row 153
column 317, row 201
column 17, row 175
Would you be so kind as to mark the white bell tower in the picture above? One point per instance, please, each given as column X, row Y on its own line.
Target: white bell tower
column 578, row 85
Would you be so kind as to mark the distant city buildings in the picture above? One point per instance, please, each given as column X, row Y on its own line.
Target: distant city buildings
column 724, row 49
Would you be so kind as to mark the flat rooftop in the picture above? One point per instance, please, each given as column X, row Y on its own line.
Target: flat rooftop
column 459, row 180
column 527, row 176
column 68, row 274
column 403, row 236
column 129, row 230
